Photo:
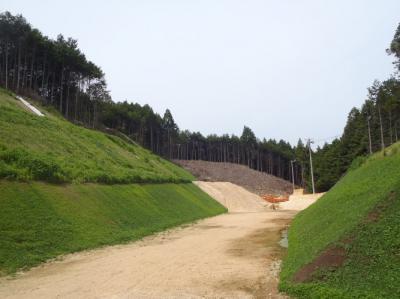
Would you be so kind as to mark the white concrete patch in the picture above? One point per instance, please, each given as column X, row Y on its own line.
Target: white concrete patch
column 30, row 106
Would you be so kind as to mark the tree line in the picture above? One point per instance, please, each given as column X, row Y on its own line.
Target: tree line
column 57, row 73
column 369, row 129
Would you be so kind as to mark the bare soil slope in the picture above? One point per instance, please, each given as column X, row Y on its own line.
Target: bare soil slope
column 233, row 197
column 252, row 180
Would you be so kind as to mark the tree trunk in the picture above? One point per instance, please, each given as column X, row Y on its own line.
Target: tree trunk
column 18, row 66
column 390, row 127
column 6, row 79
column 44, row 71
column 32, row 65
column 67, row 100
column 381, row 126
column 24, row 72
column 76, row 99
column 61, row 88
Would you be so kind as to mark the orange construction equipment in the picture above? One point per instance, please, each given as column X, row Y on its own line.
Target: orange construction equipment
column 275, row 198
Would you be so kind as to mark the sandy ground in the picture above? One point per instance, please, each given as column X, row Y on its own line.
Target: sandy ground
column 299, row 202
column 233, row 197
column 235, row 255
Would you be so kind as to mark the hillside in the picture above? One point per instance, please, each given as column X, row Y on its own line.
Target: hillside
column 52, row 149
column 347, row 244
column 250, row 179
column 65, row 188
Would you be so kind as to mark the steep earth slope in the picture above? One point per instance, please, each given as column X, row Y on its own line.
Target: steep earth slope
column 347, row 244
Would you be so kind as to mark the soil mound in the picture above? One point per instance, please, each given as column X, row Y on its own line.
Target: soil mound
column 252, row 180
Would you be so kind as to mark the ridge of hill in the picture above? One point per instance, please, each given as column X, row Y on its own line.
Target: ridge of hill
column 347, row 245
column 254, row 181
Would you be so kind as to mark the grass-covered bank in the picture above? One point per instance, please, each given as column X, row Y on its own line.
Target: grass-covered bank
column 52, row 149
column 361, row 216
column 50, row 199
column 39, row 221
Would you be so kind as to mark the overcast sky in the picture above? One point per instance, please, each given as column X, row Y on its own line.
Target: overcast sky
column 287, row 68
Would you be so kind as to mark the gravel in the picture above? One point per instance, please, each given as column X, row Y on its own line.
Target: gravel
column 254, row 181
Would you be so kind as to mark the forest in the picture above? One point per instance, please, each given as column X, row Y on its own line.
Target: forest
column 370, row 128
column 57, row 74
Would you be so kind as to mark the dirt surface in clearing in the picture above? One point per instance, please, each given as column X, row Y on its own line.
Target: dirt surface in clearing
column 235, row 255
column 252, row 180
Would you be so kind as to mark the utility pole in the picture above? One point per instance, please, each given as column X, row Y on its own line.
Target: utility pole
column 292, row 162
column 179, row 151
column 369, row 134
column 311, row 165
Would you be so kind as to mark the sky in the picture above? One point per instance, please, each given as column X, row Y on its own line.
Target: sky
column 288, row 69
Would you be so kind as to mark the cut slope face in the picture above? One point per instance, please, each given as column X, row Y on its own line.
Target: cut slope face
column 358, row 217
column 252, row 180
column 233, row 197
column 53, row 149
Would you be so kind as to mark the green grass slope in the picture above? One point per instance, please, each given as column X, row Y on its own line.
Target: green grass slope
column 39, row 221
column 360, row 215
column 65, row 188
column 53, row 149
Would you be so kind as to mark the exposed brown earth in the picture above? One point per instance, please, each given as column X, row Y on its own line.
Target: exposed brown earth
column 334, row 256
column 331, row 258
column 252, row 180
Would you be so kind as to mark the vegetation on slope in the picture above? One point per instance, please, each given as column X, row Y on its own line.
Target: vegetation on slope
column 39, row 221
column 52, row 149
column 360, row 215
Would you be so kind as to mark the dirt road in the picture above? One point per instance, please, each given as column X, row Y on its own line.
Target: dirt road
column 235, row 255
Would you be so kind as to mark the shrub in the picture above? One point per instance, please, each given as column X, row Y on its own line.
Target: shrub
column 20, row 165
column 357, row 162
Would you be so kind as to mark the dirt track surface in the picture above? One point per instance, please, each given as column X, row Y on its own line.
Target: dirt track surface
column 235, row 255
column 252, row 180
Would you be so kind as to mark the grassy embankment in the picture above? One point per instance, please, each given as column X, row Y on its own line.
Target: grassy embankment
column 360, row 216
column 55, row 150
column 64, row 188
